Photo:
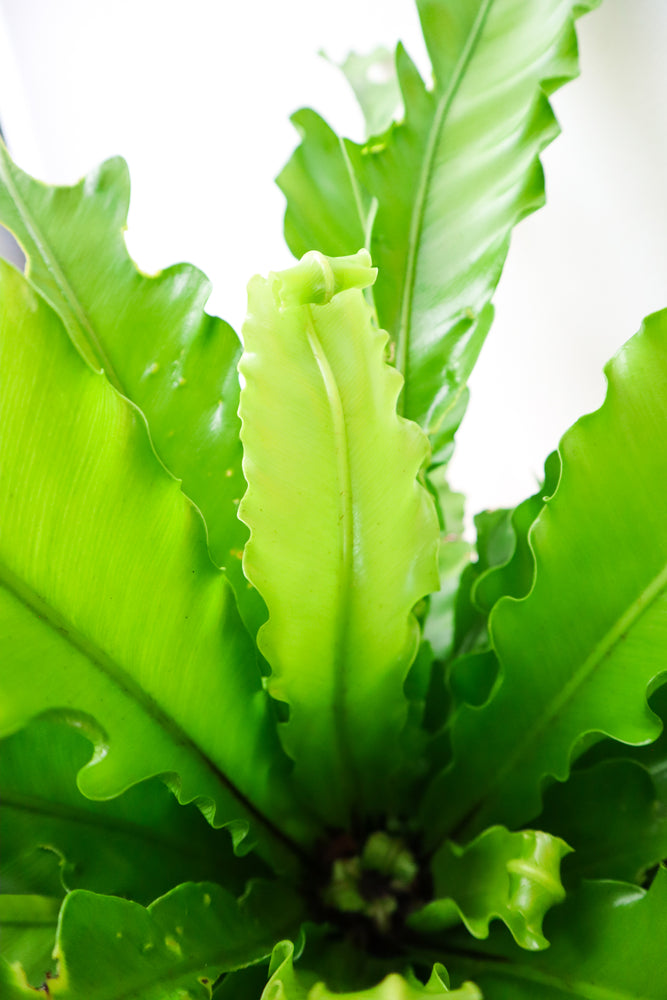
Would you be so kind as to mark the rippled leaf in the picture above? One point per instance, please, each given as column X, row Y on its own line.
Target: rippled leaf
column 150, row 335
column 111, row 608
column 581, row 652
column 343, row 536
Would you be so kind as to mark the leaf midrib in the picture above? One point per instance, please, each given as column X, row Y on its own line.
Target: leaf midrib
column 600, row 651
column 346, row 538
column 417, row 217
column 37, row 805
column 65, row 289
column 37, row 606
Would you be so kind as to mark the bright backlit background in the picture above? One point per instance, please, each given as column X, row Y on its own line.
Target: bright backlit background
column 197, row 98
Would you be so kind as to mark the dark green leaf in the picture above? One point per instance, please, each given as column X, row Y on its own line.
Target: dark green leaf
column 139, row 845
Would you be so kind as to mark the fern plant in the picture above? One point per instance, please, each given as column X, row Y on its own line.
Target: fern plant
column 271, row 727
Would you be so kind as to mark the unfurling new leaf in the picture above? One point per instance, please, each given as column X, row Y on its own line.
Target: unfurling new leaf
column 343, row 536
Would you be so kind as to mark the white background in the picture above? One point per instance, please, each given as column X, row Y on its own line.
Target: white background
column 197, row 96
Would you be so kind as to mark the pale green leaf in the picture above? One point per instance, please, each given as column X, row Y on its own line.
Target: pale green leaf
column 514, row 877
column 150, row 335
column 111, row 609
column 138, row 845
column 343, row 536
column 28, row 934
column 288, row 983
column 373, row 80
column 579, row 653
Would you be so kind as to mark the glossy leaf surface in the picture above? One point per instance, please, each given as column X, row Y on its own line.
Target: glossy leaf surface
column 150, row 335
column 450, row 182
column 111, row 608
column 287, row 983
column 607, row 944
column 343, row 536
column 510, row 876
column 109, row 948
column 327, row 209
column 579, row 652
column 138, row 845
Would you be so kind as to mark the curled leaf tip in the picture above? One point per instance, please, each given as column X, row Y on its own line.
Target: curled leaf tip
column 317, row 278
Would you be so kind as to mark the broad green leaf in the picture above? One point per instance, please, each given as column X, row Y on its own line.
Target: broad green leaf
column 580, row 652
column 28, row 934
column 109, row 948
column 512, row 876
column 454, row 178
column 288, row 983
column 326, row 208
column 607, row 943
column 343, row 537
column 614, row 818
column 110, row 607
column 449, row 183
column 139, row 845
column 652, row 757
column 150, row 335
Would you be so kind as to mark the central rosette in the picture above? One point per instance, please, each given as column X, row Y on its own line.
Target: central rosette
column 377, row 882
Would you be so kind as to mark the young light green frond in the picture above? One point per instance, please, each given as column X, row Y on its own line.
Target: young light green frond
column 343, row 536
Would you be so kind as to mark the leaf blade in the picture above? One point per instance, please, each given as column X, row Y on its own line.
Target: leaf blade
column 607, row 942
column 151, row 336
column 343, row 537
column 513, row 877
column 109, row 948
column 138, row 845
column 83, row 471
column 597, row 668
